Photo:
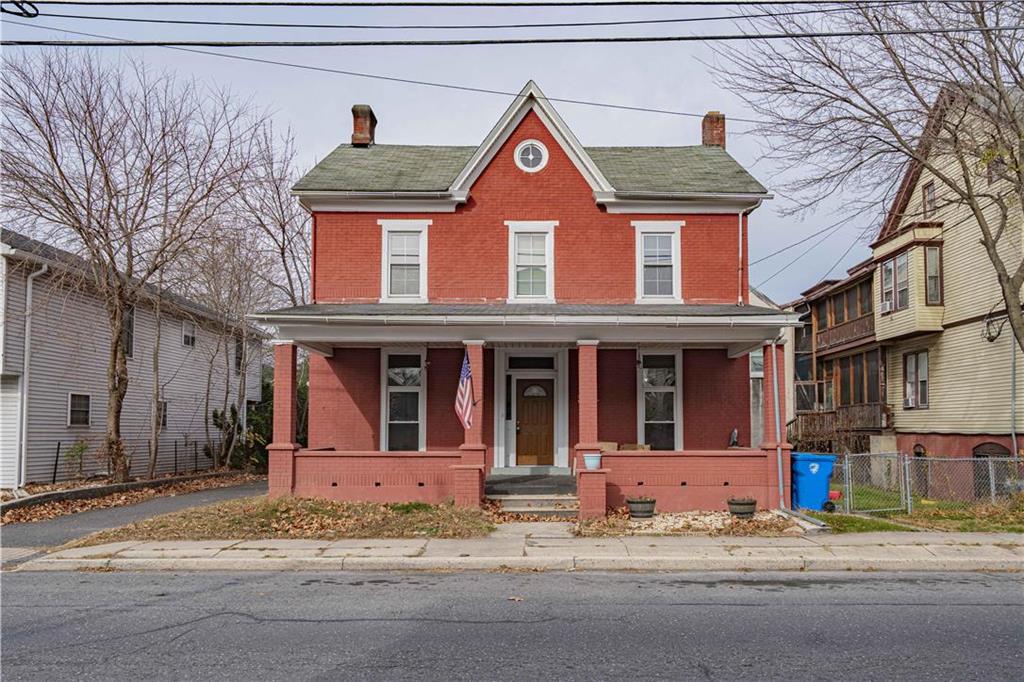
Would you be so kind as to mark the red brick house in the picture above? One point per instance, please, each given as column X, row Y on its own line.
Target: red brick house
column 600, row 294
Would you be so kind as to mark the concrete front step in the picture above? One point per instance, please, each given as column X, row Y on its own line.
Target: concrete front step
column 498, row 484
column 555, row 506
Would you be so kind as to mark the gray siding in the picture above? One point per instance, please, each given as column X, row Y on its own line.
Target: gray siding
column 70, row 345
column 13, row 335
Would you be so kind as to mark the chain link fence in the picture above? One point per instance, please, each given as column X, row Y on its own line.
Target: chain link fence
column 899, row 483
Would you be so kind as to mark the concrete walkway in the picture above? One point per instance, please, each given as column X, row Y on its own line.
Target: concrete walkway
column 549, row 546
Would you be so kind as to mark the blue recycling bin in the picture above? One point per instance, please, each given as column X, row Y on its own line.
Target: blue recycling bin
column 811, row 474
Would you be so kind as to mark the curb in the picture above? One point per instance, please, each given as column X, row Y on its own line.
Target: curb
column 104, row 490
column 521, row 563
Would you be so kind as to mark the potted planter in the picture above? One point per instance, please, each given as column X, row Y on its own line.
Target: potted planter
column 742, row 507
column 640, row 507
column 592, row 462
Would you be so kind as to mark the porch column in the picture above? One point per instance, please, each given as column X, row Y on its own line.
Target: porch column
column 587, row 393
column 281, row 452
column 470, row 474
column 776, row 453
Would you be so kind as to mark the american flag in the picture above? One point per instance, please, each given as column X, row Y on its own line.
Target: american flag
column 464, row 396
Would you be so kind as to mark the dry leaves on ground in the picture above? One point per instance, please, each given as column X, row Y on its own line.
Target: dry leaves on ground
column 687, row 523
column 253, row 518
column 1001, row 516
column 50, row 510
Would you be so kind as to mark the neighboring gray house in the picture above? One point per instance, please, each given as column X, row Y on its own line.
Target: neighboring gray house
column 54, row 340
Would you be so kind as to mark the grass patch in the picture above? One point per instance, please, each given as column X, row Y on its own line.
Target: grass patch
column 254, row 518
column 1005, row 516
column 847, row 523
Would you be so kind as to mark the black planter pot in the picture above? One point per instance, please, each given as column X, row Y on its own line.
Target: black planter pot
column 640, row 509
column 743, row 509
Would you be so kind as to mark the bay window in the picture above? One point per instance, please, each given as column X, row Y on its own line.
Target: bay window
column 933, row 275
column 895, row 289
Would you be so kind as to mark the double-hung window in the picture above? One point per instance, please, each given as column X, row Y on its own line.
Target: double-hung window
column 915, row 379
column 895, row 290
column 932, row 275
column 161, row 413
column 658, row 268
column 404, row 407
column 659, row 409
column 239, row 354
column 531, row 258
column 404, row 260
column 188, row 333
column 928, row 200
column 79, row 409
column 128, row 331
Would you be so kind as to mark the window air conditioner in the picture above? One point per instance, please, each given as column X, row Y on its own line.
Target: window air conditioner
column 885, row 307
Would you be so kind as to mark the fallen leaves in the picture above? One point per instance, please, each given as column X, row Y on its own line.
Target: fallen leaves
column 713, row 523
column 51, row 510
column 262, row 518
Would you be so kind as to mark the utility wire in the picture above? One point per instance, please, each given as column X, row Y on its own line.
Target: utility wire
column 730, row 37
column 566, row 24
column 802, row 254
column 457, row 3
column 801, row 241
column 396, row 79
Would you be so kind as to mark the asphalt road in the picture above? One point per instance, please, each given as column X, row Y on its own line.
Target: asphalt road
column 55, row 532
column 515, row 626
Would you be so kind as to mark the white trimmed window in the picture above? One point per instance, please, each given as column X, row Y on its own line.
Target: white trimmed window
column 79, row 409
column 531, row 258
column 895, row 289
column 188, row 333
column 659, row 405
column 128, row 331
column 403, row 276
column 403, row 379
column 658, row 261
column 161, row 413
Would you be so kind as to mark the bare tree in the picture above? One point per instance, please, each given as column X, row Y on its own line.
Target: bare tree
column 122, row 166
column 857, row 113
column 283, row 226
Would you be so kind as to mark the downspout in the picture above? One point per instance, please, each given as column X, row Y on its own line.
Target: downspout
column 26, row 362
column 778, row 425
column 739, row 259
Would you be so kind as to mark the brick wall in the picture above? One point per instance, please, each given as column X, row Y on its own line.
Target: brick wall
column 376, row 477
column 690, row 480
column 594, row 250
column 344, row 399
column 716, row 399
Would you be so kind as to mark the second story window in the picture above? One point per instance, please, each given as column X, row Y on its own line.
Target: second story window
column 239, row 354
column 404, row 260
column 928, row 200
column 658, row 268
column 933, row 275
column 895, row 290
column 531, row 259
column 128, row 331
column 188, row 334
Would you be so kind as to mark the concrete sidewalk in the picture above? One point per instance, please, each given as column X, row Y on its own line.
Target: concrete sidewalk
column 549, row 546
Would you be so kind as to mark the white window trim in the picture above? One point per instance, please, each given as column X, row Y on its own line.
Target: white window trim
column 385, row 390
column 641, row 432
column 544, row 156
column 547, row 228
column 163, row 415
column 673, row 228
column 68, row 420
column 194, row 334
column 388, row 226
column 129, row 352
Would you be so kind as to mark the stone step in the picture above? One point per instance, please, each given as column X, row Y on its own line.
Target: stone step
column 530, row 485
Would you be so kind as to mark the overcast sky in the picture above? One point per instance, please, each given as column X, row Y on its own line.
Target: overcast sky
column 316, row 106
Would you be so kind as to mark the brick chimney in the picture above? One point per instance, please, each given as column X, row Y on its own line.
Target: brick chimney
column 712, row 129
column 364, row 125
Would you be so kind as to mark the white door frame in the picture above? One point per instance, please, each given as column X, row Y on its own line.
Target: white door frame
column 504, row 430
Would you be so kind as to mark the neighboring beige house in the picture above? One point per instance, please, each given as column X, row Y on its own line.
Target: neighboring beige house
column 953, row 370
column 54, row 340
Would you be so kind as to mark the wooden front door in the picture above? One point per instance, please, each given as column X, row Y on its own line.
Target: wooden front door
column 535, row 422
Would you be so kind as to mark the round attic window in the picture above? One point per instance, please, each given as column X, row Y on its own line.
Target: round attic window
column 531, row 156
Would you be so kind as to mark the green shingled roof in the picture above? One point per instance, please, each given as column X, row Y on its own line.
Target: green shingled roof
column 409, row 168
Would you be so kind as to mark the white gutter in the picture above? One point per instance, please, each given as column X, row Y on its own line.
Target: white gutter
column 26, row 361
column 782, row 320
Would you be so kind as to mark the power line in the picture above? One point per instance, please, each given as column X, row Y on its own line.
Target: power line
column 731, row 37
column 565, row 24
column 456, row 3
column 396, row 79
column 802, row 254
column 801, row 241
